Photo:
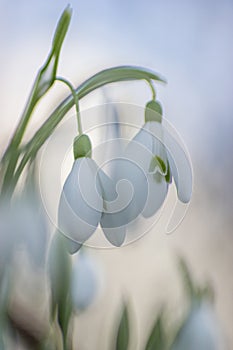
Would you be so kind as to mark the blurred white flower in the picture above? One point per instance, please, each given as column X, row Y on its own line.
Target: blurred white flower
column 85, row 280
column 201, row 330
column 23, row 223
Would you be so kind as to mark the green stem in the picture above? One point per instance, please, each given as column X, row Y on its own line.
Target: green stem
column 111, row 75
column 152, row 90
column 76, row 102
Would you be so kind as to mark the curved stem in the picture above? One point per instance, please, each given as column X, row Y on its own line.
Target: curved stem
column 76, row 102
column 152, row 89
column 111, row 75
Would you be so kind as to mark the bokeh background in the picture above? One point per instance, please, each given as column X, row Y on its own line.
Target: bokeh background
column 188, row 42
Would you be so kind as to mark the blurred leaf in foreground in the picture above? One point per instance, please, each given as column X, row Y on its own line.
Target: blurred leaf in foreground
column 123, row 331
column 157, row 338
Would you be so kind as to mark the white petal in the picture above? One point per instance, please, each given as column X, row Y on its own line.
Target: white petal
column 156, row 194
column 147, row 144
column 115, row 235
column 80, row 204
column 180, row 167
column 124, row 199
column 200, row 331
column 110, row 217
column 84, row 281
column 107, row 187
column 72, row 246
column 132, row 190
column 159, row 148
column 114, row 144
column 138, row 156
column 140, row 148
column 178, row 160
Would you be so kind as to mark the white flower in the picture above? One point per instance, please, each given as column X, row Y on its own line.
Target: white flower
column 143, row 173
column 139, row 186
column 84, row 197
column 201, row 331
column 84, row 280
column 80, row 206
column 23, row 223
column 158, row 153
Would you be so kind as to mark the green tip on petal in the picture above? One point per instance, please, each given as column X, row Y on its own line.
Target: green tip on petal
column 153, row 112
column 168, row 176
column 156, row 161
column 82, row 146
column 164, row 169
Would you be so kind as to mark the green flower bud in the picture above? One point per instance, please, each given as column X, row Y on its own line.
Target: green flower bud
column 153, row 112
column 82, row 146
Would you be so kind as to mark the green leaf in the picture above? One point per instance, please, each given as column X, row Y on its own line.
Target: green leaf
column 47, row 74
column 157, row 339
column 123, row 331
column 44, row 80
column 190, row 287
column 61, row 30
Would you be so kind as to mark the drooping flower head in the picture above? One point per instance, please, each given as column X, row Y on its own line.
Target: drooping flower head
column 201, row 330
column 157, row 151
column 84, row 196
column 85, row 280
column 137, row 187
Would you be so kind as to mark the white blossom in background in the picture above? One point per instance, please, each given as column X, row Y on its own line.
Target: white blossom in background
column 23, row 224
column 201, row 330
column 85, row 280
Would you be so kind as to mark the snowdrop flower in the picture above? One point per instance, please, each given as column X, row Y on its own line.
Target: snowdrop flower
column 80, row 206
column 132, row 191
column 84, row 280
column 23, row 223
column 200, row 331
column 130, row 184
column 85, row 197
column 30, row 220
column 161, row 157
column 142, row 174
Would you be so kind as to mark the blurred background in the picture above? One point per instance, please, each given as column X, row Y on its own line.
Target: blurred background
column 189, row 43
